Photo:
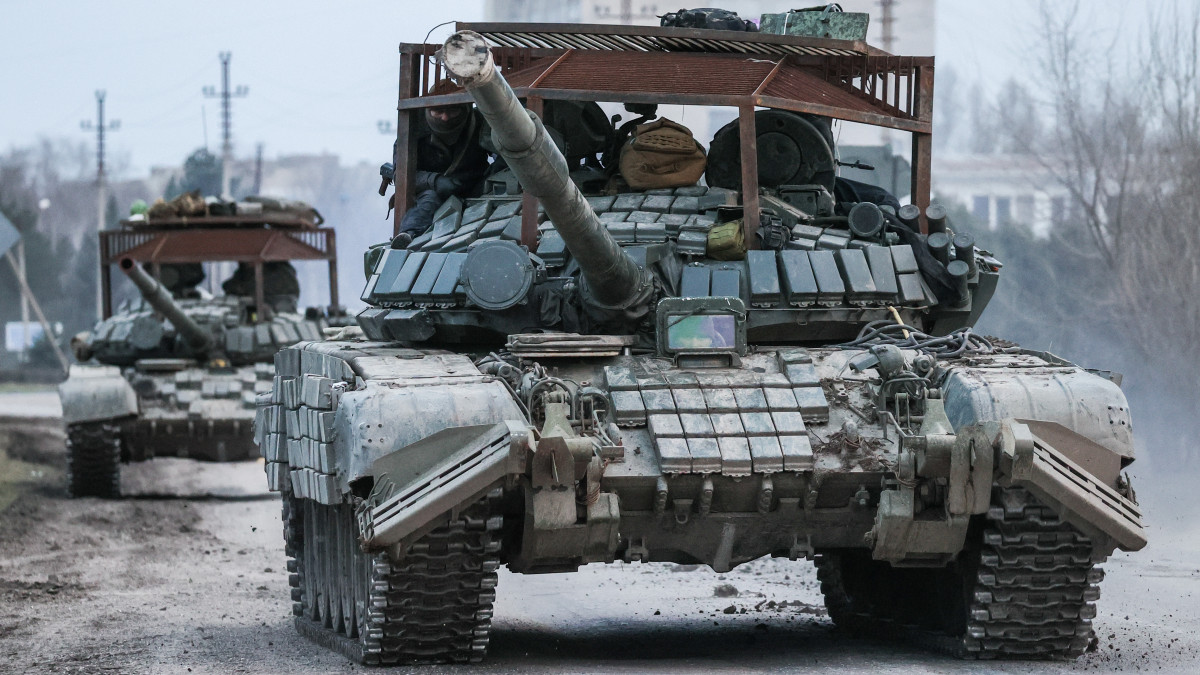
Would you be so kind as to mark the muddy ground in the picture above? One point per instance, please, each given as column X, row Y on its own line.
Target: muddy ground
column 187, row 576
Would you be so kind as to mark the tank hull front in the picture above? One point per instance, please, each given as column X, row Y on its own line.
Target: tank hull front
column 196, row 413
column 170, row 408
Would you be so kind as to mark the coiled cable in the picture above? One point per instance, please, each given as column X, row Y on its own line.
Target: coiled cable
column 956, row 343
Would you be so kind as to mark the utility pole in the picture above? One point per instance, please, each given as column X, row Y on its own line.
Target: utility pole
column 886, row 19
column 258, row 169
column 887, row 39
column 226, row 97
column 23, row 357
column 101, row 127
column 47, row 329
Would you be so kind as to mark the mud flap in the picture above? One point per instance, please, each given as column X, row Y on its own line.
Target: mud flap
column 418, row 484
column 1027, row 459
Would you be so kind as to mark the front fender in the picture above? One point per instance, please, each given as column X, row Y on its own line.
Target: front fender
column 379, row 420
column 1086, row 404
column 96, row 393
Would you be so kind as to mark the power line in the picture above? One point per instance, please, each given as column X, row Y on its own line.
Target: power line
column 226, row 97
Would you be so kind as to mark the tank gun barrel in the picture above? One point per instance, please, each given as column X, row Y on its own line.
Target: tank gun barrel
column 160, row 299
column 612, row 279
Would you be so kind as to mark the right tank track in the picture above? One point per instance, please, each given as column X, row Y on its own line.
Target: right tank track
column 1025, row 588
column 433, row 606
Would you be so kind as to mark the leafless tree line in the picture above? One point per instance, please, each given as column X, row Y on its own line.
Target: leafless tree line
column 1120, row 130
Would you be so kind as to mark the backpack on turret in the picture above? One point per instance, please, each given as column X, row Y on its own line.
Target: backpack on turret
column 662, row 154
column 711, row 18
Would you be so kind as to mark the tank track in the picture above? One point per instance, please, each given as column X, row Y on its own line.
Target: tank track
column 1025, row 588
column 433, row 606
column 94, row 460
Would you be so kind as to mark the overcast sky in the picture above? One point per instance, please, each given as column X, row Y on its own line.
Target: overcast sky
column 320, row 74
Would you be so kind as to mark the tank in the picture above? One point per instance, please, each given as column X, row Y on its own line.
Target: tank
column 585, row 373
column 175, row 372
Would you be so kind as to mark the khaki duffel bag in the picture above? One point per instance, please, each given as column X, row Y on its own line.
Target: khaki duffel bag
column 662, row 154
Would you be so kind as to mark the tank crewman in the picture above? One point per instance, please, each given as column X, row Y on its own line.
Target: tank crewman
column 450, row 161
column 281, row 288
column 848, row 192
column 180, row 279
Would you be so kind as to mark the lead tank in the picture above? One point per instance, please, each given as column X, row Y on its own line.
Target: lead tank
column 169, row 376
column 622, row 395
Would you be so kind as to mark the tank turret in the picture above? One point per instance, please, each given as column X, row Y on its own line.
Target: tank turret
column 199, row 339
column 612, row 278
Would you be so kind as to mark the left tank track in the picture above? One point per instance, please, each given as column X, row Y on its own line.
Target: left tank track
column 94, row 460
column 432, row 606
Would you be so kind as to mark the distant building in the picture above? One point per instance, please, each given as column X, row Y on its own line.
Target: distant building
column 1003, row 190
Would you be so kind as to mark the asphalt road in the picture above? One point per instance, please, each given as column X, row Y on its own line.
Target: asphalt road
column 188, row 576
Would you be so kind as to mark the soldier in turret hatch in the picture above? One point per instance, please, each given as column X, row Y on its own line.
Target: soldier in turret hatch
column 181, row 279
column 450, row 161
column 281, row 288
column 848, row 192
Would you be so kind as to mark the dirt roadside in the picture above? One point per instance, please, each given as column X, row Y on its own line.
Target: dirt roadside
column 188, row 576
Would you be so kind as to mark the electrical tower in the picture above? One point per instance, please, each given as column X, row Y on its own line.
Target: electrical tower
column 226, row 96
column 101, row 128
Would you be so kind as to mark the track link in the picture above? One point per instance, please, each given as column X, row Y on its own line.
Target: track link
column 1035, row 588
column 433, row 606
column 94, row 460
column 1024, row 588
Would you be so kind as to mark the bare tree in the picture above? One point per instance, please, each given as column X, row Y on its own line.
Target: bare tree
column 1125, row 143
